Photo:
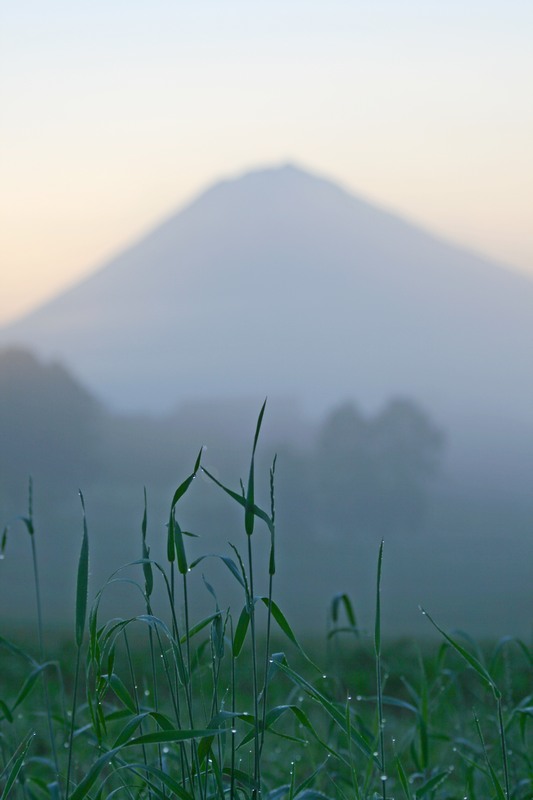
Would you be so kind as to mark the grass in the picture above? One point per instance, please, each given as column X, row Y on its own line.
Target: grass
column 163, row 705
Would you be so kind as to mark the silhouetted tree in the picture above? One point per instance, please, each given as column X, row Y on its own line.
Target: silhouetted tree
column 374, row 474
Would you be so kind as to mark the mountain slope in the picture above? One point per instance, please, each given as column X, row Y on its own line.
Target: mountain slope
column 282, row 283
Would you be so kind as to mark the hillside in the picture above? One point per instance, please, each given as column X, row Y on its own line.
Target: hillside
column 281, row 283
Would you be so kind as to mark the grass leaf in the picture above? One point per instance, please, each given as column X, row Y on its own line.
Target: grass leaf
column 11, row 773
column 82, row 584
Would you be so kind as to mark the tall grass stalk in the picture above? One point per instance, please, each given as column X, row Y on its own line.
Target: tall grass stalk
column 148, row 589
column 82, row 588
column 271, row 573
column 379, row 677
column 249, row 520
column 30, row 527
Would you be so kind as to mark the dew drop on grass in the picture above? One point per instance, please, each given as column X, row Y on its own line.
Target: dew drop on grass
column 383, row 778
column 359, row 698
column 234, row 730
column 147, row 692
column 166, row 750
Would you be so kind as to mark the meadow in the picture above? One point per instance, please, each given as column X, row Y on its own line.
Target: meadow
column 164, row 704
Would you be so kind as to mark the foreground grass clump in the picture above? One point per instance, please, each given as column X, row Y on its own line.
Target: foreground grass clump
column 165, row 705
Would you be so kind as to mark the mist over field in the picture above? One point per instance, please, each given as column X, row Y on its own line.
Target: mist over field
column 398, row 370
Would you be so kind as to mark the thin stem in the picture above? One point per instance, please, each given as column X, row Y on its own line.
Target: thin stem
column 257, row 763
column 267, row 657
column 41, row 647
column 504, row 747
column 73, row 719
column 379, row 680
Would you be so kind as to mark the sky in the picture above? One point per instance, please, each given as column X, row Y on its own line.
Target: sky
column 115, row 113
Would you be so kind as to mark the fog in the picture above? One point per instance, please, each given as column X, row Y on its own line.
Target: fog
column 342, row 483
column 399, row 379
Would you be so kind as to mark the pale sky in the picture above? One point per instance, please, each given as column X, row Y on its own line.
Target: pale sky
column 114, row 113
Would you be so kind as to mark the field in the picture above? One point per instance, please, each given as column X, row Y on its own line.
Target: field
column 234, row 705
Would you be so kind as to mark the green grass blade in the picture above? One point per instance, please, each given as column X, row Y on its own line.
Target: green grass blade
column 129, row 729
column 331, row 708
column 341, row 600
column 174, row 735
column 379, row 681
column 500, row 794
column 183, row 487
column 280, row 618
column 432, row 784
column 171, row 547
column 402, row 777
column 199, row 626
column 165, row 779
column 249, row 506
column 82, row 585
column 29, row 684
column 17, row 651
column 180, row 549
column 229, row 562
column 377, row 627
column 6, row 713
column 90, row 778
column 259, row 513
column 241, row 631
column 468, row 657
column 122, row 693
column 147, row 564
column 12, row 775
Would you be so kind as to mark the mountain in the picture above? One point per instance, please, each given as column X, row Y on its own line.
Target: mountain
column 281, row 283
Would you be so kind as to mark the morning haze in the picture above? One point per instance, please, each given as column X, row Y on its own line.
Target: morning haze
column 400, row 386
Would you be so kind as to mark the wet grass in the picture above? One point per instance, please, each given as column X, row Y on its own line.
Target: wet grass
column 165, row 705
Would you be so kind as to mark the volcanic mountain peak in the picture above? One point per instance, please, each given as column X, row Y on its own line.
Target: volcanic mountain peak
column 280, row 282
